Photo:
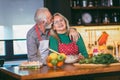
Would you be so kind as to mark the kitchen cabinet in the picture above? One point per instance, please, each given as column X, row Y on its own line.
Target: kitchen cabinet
column 87, row 12
column 95, row 12
column 61, row 6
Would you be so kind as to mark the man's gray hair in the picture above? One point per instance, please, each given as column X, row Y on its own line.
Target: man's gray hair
column 40, row 15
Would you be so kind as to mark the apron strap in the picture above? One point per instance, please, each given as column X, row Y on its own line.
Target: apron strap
column 38, row 33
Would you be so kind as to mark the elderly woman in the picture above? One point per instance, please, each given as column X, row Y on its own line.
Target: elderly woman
column 60, row 41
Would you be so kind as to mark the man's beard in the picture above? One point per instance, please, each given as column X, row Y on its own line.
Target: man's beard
column 48, row 26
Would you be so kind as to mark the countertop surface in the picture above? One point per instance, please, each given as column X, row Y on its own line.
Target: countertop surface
column 46, row 72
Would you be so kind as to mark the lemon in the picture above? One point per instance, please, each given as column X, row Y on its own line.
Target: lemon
column 53, row 55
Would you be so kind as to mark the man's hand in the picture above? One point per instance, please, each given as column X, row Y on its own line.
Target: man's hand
column 73, row 34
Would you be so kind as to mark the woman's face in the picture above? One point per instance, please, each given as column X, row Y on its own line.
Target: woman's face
column 59, row 24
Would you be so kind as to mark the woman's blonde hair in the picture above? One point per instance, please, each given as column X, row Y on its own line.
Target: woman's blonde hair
column 53, row 32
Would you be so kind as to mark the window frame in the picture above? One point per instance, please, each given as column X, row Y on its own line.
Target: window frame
column 9, row 51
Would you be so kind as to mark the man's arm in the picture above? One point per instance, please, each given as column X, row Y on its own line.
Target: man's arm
column 73, row 34
column 32, row 48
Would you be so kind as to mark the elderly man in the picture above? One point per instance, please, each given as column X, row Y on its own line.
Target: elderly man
column 38, row 36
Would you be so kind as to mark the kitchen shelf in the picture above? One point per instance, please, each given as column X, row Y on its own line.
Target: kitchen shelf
column 100, row 24
column 73, row 10
column 94, row 15
column 88, row 8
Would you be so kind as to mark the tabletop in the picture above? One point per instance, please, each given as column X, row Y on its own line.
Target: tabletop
column 46, row 72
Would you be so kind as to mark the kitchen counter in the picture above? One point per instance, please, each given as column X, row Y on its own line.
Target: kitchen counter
column 68, row 71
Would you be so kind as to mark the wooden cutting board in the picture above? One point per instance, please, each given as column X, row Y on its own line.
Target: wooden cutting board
column 94, row 65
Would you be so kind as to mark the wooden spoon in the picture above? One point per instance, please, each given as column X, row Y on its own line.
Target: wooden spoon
column 54, row 51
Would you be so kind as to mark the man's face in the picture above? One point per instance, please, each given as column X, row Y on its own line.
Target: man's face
column 49, row 17
column 49, row 20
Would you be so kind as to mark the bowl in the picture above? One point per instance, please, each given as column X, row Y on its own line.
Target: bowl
column 55, row 60
column 71, row 58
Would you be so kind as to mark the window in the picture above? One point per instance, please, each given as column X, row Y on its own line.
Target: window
column 2, row 46
column 19, row 47
column 1, row 32
column 15, row 21
column 20, row 32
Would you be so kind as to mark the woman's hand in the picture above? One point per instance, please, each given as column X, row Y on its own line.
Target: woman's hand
column 80, row 56
column 73, row 34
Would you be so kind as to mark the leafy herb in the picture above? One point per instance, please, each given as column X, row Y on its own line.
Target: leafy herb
column 99, row 59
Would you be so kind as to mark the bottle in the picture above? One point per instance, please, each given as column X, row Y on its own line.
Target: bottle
column 115, row 19
column 78, row 3
column 106, row 19
column 96, row 19
column 74, row 4
column 90, row 4
column 95, row 49
column 84, row 3
column 111, row 2
column 79, row 21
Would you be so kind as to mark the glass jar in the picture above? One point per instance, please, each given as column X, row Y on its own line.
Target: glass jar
column 79, row 22
column 84, row 3
column 106, row 19
column 90, row 4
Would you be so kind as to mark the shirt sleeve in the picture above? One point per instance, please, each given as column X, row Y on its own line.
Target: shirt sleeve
column 53, row 43
column 32, row 48
column 82, row 47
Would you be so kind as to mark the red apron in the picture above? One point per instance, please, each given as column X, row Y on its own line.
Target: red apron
column 68, row 49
